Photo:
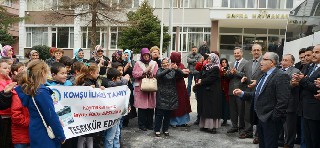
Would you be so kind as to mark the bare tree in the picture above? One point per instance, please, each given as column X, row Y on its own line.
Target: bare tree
column 97, row 12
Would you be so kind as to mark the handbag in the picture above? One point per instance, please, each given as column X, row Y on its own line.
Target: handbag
column 49, row 130
column 149, row 84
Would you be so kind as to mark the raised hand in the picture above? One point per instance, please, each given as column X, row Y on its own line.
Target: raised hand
column 9, row 87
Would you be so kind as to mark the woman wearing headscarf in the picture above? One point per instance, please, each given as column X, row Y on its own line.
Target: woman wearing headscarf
column 100, row 59
column 210, row 95
column 7, row 51
column 225, row 89
column 79, row 56
column 127, row 64
column 144, row 101
column 180, row 117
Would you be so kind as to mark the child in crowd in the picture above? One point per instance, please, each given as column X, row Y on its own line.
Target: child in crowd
column 32, row 88
column 59, row 75
column 5, row 136
column 167, row 98
column 76, row 67
column 65, row 60
column 112, row 135
column 19, row 115
column 88, row 77
column 59, row 78
column 17, row 68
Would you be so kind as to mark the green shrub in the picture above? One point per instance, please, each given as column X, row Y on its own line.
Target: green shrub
column 43, row 51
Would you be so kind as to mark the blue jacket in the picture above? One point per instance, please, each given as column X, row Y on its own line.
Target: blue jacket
column 38, row 134
column 55, row 83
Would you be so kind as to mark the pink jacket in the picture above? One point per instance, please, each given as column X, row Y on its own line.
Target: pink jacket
column 143, row 100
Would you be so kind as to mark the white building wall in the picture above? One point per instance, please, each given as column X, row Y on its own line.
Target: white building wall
column 22, row 29
column 293, row 47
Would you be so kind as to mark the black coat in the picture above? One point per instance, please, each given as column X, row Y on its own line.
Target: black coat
column 274, row 95
column 210, row 94
column 5, row 100
column 167, row 97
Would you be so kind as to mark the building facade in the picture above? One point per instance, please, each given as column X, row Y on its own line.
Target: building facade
column 12, row 7
column 224, row 24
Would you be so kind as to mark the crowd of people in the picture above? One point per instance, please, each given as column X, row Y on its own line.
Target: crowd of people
column 280, row 97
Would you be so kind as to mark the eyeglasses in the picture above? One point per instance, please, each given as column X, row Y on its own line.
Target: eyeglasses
column 266, row 59
column 100, row 51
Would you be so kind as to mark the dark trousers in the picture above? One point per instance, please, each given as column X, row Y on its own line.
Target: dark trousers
column 162, row 117
column 312, row 133
column 298, row 128
column 236, row 111
column 248, row 129
column 290, row 129
column 70, row 143
column 269, row 133
column 195, row 77
column 145, row 118
column 5, row 135
column 225, row 108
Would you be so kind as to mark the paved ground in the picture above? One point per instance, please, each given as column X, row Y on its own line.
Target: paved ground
column 189, row 137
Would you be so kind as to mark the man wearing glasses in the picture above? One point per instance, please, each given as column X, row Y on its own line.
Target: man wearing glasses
column 269, row 100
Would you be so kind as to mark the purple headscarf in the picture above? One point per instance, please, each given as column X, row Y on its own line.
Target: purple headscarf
column 143, row 52
column 5, row 49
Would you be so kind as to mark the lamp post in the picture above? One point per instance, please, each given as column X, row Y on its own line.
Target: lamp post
column 161, row 36
column 170, row 28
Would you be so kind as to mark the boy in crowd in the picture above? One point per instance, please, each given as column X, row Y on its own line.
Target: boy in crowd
column 112, row 135
column 59, row 75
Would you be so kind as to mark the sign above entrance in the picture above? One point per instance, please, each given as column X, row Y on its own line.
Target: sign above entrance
column 262, row 15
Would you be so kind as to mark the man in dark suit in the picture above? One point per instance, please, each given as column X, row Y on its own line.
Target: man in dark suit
column 252, row 74
column 288, row 133
column 302, row 62
column 310, row 104
column 236, row 106
column 270, row 100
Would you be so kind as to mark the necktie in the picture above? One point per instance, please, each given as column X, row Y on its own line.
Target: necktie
column 237, row 63
column 254, row 65
column 258, row 88
column 313, row 70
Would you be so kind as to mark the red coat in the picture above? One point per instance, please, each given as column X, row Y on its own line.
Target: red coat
column 3, row 84
column 225, row 84
column 20, row 121
column 184, row 106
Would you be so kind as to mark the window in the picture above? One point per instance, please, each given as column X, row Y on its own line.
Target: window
column 289, row 4
column 192, row 36
column 251, row 3
column 209, row 3
column 36, row 36
column 7, row 3
column 262, row 3
column 225, row 3
column 237, row 3
column 62, row 37
column 276, row 4
column 196, row 3
column 151, row 2
column 86, row 37
column 114, row 37
column 135, row 3
column 184, row 3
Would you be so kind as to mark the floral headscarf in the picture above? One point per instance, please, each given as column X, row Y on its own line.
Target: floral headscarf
column 116, row 56
column 5, row 50
column 215, row 61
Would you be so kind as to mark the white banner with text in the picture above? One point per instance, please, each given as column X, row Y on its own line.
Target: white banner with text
column 84, row 110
